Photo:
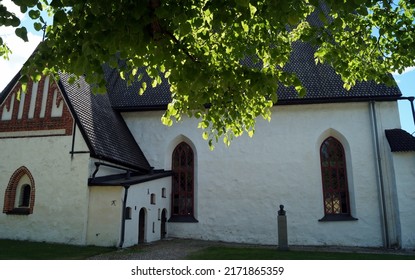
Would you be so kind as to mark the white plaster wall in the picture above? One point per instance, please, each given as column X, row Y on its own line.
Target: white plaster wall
column 405, row 173
column 238, row 189
column 105, row 214
column 61, row 201
column 139, row 197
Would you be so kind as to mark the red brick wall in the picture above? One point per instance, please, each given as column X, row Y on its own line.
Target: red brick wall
column 36, row 123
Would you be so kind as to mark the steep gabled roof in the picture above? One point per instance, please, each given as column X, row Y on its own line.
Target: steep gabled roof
column 322, row 83
column 9, row 87
column 103, row 128
column 400, row 140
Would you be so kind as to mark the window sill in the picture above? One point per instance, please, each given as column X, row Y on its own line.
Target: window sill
column 337, row 218
column 182, row 219
column 19, row 211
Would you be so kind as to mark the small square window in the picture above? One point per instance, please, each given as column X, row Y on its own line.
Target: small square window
column 128, row 213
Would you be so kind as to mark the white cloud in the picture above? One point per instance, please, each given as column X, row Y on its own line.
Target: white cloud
column 20, row 50
column 11, row 7
column 20, row 53
column 407, row 70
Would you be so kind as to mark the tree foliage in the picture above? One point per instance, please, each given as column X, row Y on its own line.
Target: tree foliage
column 200, row 47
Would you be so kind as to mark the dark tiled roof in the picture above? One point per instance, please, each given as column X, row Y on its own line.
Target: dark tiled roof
column 126, row 98
column 132, row 179
column 4, row 93
column 400, row 140
column 322, row 84
column 104, row 129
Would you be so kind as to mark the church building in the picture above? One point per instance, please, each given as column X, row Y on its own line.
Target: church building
column 85, row 169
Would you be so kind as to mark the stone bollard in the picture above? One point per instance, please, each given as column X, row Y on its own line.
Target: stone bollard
column 282, row 229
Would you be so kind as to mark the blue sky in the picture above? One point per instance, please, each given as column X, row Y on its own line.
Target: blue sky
column 22, row 50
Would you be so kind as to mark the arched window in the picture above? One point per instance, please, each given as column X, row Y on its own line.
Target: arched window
column 334, row 180
column 183, row 183
column 19, row 198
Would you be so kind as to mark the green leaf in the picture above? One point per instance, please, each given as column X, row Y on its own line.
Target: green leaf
column 21, row 32
column 38, row 26
column 252, row 10
column 205, row 135
column 34, row 14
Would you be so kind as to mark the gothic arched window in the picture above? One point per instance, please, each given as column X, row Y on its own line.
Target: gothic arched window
column 334, row 179
column 183, row 182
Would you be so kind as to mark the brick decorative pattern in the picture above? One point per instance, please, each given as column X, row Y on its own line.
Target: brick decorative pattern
column 10, row 206
column 37, row 123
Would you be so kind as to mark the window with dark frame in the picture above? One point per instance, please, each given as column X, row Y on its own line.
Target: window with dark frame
column 24, row 199
column 153, row 198
column 334, row 179
column 128, row 213
column 183, row 181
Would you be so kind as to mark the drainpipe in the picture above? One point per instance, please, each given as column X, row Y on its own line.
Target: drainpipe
column 124, row 206
column 379, row 175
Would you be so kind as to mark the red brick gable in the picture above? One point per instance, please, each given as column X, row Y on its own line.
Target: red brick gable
column 41, row 111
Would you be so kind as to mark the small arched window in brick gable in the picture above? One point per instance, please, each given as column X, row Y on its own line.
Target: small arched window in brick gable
column 19, row 198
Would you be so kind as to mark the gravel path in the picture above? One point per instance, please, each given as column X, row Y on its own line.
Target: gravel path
column 167, row 249
column 178, row 249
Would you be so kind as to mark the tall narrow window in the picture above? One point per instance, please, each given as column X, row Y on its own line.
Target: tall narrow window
column 24, row 196
column 183, row 183
column 334, row 179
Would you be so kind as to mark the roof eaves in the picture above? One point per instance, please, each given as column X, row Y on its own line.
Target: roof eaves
column 346, row 99
column 76, row 118
column 123, row 180
column 9, row 87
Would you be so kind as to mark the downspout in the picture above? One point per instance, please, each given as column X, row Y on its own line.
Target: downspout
column 124, row 206
column 379, row 175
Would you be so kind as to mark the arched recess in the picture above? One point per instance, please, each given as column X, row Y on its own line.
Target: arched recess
column 173, row 144
column 163, row 224
column 19, row 198
column 337, row 141
column 142, row 225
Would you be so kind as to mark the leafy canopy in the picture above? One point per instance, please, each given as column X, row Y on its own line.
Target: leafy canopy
column 200, row 46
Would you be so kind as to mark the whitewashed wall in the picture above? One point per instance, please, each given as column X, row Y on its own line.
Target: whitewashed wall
column 104, row 216
column 238, row 189
column 105, row 212
column 404, row 163
column 139, row 197
column 61, row 201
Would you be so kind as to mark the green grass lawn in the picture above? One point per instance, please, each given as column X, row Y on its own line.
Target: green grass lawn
column 25, row 250
column 241, row 253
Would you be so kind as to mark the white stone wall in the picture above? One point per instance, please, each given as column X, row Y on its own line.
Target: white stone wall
column 404, row 163
column 139, row 197
column 61, row 201
column 105, row 212
column 238, row 189
column 104, row 216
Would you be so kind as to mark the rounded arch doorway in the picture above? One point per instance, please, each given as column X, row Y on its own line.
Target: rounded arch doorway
column 142, row 225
